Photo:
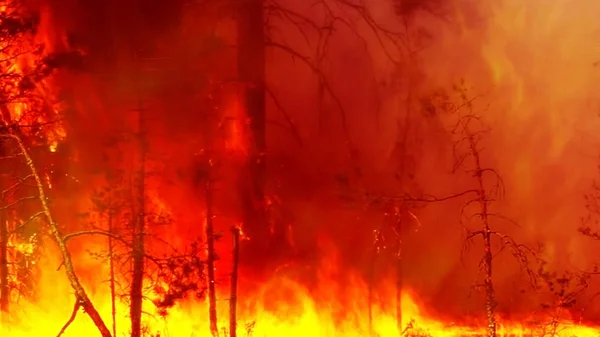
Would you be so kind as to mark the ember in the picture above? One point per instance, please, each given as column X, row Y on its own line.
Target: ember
column 287, row 168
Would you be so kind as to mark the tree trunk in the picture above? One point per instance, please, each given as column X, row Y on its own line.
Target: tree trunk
column 371, row 286
column 490, row 298
column 111, row 265
column 399, row 281
column 251, row 72
column 488, row 284
column 4, row 286
column 4, row 277
column 234, row 283
column 210, row 261
column 80, row 293
column 139, row 228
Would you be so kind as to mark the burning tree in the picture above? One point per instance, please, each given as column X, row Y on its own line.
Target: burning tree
column 168, row 274
column 257, row 22
column 28, row 120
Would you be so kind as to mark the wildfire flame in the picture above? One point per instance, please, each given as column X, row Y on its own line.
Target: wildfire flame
column 20, row 70
column 283, row 305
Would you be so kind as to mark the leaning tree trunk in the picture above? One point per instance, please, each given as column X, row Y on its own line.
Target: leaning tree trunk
column 139, row 228
column 251, row 72
column 81, row 295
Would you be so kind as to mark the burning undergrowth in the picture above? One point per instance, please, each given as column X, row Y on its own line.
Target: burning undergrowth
column 269, row 167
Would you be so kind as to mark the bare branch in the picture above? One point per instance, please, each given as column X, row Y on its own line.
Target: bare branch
column 287, row 117
column 66, row 237
column 321, row 77
column 430, row 198
column 71, row 318
column 80, row 292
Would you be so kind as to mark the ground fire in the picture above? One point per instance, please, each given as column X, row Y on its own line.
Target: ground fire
column 299, row 168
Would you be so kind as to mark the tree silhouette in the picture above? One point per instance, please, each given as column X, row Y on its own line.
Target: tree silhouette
column 468, row 130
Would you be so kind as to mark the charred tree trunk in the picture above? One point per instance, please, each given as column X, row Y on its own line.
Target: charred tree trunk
column 490, row 302
column 371, row 287
column 490, row 295
column 111, row 265
column 210, row 261
column 4, row 277
column 234, row 283
column 488, row 284
column 251, row 72
column 139, row 228
column 399, row 281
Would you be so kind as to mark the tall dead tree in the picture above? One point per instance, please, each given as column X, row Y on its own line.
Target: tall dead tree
column 256, row 19
column 483, row 199
column 235, row 232
column 468, row 130
column 139, row 227
column 251, row 72
column 211, row 255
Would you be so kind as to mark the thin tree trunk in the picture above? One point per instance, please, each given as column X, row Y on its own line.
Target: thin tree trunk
column 490, row 295
column 371, row 287
column 137, row 280
column 399, row 281
column 251, row 71
column 80, row 293
column 4, row 286
column 490, row 303
column 210, row 238
column 234, row 283
column 376, row 248
column 4, row 277
column 111, row 265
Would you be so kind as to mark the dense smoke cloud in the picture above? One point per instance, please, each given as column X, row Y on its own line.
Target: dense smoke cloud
column 531, row 62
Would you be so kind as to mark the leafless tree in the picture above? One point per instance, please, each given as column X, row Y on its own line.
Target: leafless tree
column 258, row 22
column 82, row 299
column 468, row 132
column 211, row 254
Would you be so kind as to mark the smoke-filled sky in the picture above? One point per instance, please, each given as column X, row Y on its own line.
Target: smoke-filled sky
column 531, row 62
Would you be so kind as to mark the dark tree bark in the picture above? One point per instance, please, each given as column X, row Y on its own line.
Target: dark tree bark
column 4, row 285
column 111, row 280
column 234, row 283
column 139, row 228
column 399, row 279
column 251, row 71
column 210, row 261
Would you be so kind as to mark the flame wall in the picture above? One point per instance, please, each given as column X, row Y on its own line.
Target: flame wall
column 532, row 60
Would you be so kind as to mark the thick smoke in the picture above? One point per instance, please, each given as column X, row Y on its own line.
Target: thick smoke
column 531, row 62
